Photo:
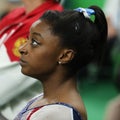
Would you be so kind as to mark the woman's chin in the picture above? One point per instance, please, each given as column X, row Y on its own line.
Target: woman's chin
column 26, row 73
column 23, row 71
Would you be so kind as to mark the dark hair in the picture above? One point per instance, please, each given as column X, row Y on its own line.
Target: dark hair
column 56, row 1
column 85, row 36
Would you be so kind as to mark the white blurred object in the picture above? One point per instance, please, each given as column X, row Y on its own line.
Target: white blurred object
column 112, row 10
column 13, row 86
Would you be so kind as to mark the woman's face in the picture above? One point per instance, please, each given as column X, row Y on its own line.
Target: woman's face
column 39, row 55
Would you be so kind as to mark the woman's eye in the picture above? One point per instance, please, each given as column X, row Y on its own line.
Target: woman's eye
column 34, row 42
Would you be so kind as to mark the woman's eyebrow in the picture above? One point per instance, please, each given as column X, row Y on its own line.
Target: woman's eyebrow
column 38, row 34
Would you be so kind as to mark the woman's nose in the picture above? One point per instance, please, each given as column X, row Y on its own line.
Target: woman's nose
column 22, row 49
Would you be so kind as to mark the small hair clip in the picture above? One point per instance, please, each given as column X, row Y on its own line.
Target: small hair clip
column 87, row 12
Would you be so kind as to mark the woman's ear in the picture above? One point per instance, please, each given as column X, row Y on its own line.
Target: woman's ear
column 66, row 56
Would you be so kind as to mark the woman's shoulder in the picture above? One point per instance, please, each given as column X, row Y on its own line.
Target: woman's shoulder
column 112, row 111
column 53, row 111
column 56, row 111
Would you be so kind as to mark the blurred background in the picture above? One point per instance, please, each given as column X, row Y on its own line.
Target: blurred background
column 7, row 6
column 97, row 84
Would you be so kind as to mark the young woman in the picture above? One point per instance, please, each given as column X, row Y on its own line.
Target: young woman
column 60, row 44
column 14, row 29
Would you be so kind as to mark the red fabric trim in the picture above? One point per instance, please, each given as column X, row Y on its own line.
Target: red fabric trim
column 35, row 109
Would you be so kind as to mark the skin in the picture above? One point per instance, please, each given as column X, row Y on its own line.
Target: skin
column 30, row 5
column 112, row 32
column 113, row 109
column 40, row 57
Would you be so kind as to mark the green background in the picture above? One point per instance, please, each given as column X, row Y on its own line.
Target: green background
column 83, row 3
column 96, row 97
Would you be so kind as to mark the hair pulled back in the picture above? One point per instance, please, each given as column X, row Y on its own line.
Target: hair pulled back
column 85, row 36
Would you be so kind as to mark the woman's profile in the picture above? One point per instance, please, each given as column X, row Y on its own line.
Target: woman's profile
column 59, row 45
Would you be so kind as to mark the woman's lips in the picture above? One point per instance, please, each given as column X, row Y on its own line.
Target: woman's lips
column 22, row 62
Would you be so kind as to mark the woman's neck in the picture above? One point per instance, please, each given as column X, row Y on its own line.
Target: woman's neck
column 56, row 89
column 30, row 5
column 58, row 83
